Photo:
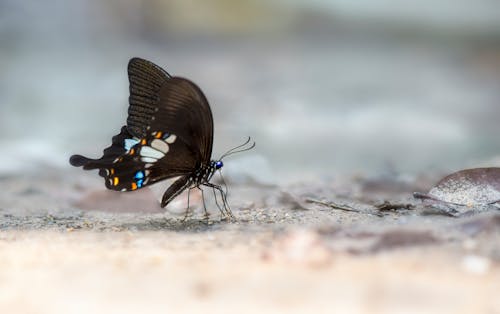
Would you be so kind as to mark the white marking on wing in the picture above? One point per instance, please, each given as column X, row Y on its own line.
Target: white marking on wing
column 147, row 151
column 160, row 145
column 148, row 159
column 171, row 139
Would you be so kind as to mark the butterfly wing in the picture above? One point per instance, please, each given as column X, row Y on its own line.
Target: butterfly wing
column 188, row 115
column 110, row 153
column 169, row 131
column 145, row 81
column 156, row 157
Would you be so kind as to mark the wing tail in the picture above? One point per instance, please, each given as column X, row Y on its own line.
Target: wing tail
column 115, row 150
column 79, row 160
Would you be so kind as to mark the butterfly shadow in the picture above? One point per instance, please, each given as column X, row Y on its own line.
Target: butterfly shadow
column 150, row 216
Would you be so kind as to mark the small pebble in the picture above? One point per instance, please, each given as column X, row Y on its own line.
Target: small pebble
column 476, row 264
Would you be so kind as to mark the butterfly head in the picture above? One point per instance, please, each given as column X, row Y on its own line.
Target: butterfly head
column 218, row 164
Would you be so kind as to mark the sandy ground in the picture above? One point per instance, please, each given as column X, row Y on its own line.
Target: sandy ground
column 72, row 248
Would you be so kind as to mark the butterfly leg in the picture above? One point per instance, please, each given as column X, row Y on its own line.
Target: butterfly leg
column 222, row 212
column 206, row 217
column 223, row 182
column 227, row 209
column 186, row 215
column 224, row 196
column 225, row 202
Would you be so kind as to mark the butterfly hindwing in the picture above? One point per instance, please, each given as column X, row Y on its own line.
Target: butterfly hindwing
column 156, row 157
column 110, row 153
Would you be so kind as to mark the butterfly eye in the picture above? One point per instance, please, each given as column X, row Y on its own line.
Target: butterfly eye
column 218, row 164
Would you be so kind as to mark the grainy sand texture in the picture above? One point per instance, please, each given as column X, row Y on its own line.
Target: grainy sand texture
column 284, row 253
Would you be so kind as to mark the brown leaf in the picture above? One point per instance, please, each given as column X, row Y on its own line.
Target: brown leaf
column 470, row 187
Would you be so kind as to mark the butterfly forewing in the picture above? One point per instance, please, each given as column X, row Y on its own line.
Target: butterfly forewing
column 146, row 79
column 159, row 102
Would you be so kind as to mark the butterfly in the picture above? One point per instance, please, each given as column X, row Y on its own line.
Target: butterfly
column 169, row 133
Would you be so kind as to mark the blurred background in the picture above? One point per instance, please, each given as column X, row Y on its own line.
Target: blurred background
column 325, row 87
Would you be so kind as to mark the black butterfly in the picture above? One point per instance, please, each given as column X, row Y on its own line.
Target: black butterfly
column 169, row 133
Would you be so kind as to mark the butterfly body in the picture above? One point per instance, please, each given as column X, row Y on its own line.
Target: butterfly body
column 169, row 133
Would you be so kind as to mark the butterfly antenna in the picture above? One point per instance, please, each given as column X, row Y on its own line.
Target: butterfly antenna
column 235, row 150
column 239, row 146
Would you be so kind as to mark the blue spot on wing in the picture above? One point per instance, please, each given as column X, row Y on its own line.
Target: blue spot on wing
column 139, row 178
column 129, row 143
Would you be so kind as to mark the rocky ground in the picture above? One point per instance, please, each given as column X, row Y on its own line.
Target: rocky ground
column 350, row 245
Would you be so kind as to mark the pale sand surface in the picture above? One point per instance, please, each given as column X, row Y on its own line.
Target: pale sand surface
column 222, row 272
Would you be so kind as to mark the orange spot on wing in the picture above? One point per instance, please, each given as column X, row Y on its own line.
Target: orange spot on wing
column 112, row 171
column 115, row 181
column 134, row 186
column 158, row 134
column 132, row 151
column 143, row 141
